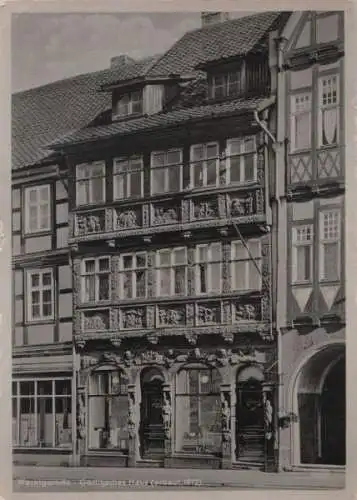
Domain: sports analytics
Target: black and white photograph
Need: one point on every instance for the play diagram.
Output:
(178, 250)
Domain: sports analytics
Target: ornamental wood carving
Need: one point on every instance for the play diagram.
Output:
(90, 223)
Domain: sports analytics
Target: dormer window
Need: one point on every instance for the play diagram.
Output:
(225, 85)
(129, 104)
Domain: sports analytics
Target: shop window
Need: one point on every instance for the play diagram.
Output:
(41, 413)
(108, 410)
(198, 411)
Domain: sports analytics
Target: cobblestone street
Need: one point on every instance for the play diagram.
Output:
(51, 479)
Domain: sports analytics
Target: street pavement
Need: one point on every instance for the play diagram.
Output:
(57, 479)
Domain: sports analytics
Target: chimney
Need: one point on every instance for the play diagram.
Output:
(208, 18)
(121, 60)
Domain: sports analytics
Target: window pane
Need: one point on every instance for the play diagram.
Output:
(63, 422)
(235, 162)
(141, 260)
(174, 178)
(212, 151)
(254, 276)
(47, 309)
(303, 271)
(211, 172)
(203, 254)
(32, 196)
(103, 287)
(120, 186)
(35, 297)
(180, 256)
(198, 175)
(89, 284)
(127, 285)
(128, 261)
(135, 180)
(215, 277)
(35, 280)
(202, 278)
(97, 190)
(137, 107)
(158, 159)
(180, 280)
(249, 167)
(165, 281)
(14, 421)
(103, 264)
(165, 258)
(173, 157)
(215, 252)
(331, 261)
(35, 311)
(303, 130)
(63, 387)
(27, 422)
(46, 279)
(44, 387)
(45, 422)
(27, 388)
(329, 126)
(140, 283)
(197, 152)
(239, 280)
(158, 178)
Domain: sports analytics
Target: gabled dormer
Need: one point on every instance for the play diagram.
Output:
(135, 92)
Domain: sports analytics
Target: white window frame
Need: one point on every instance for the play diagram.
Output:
(226, 84)
(242, 154)
(133, 271)
(204, 162)
(127, 173)
(41, 290)
(165, 167)
(96, 275)
(171, 267)
(39, 204)
(89, 178)
(36, 396)
(295, 114)
(248, 261)
(130, 104)
(209, 263)
(322, 107)
(325, 241)
(306, 238)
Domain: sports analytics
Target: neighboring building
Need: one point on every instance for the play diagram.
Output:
(311, 296)
(161, 201)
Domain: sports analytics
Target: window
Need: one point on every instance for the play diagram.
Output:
(129, 104)
(330, 240)
(128, 178)
(208, 268)
(328, 110)
(108, 410)
(90, 183)
(133, 276)
(225, 85)
(171, 272)
(40, 292)
(245, 275)
(38, 209)
(95, 279)
(205, 165)
(300, 121)
(42, 413)
(166, 171)
(198, 411)
(302, 257)
(242, 160)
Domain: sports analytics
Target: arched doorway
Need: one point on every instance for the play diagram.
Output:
(250, 443)
(151, 417)
(321, 408)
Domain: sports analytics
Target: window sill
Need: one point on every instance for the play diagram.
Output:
(33, 234)
(90, 206)
(47, 321)
(38, 449)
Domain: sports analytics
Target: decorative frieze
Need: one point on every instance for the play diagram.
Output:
(90, 223)
(246, 312)
(241, 205)
(130, 218)
(165, 213)
(171, 316)
(95, 320)
(133, 318)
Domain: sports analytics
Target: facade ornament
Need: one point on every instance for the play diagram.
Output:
(228, 337)
(191, 337)
(126, 220)
(131, 414)
(81, 343)
(165, 215)
(268, 417)
(226, 416)
(167, 412)
(168, 317)
(96, 321)
(116, 342)
(81, 429)
(206, 314)
(245, 312)
(153, 338)
(133, 318)
(204, 210)
(88, 361)
(151, 357)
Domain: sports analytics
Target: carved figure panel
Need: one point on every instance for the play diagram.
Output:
(133, 318)
(208, 314)
(205, 209)
(95, 320)
(90, 223)
(165, 213)
(241, 205)
(246, 312)
(171, 316)
(128, 218)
